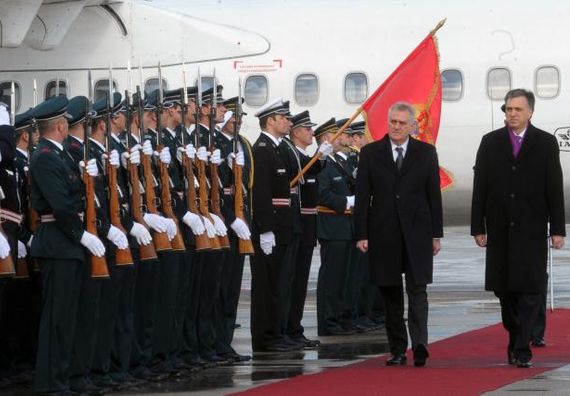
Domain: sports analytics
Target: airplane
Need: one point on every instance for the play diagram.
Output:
(325, 56)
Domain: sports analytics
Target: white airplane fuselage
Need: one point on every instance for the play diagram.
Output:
(281, 40)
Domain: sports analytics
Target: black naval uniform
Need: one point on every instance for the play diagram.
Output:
(271, 212)
(335, 231)
(56, 195)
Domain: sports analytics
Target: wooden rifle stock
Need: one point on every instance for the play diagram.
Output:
(98, 264)
(166, 201)
(146, 252)
(202, 241)
(6, 264)
(122, 256)
(244, 245)
(215, 200)
(160, 239)
(203, 200)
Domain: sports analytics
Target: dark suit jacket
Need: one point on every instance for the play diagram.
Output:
(393, 207)
(513, 201)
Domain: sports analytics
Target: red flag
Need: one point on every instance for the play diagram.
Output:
(417, 81)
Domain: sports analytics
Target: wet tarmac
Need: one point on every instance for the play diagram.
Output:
(458, 303)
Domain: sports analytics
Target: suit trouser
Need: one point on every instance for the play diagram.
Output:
(519, 312)
(417, 315)
(331, 285)
(208, 300)
(168, 271)
(4, 372)
(144, 309)
(85, 342)
(61, 282)
(288, 268)
(299, 290)
(540, 326)
(354, 286)
(190, 344)
(266, 302)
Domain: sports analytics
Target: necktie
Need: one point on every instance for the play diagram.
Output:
(518, 144)
(399, 158)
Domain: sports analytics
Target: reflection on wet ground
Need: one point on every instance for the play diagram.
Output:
(458, 303)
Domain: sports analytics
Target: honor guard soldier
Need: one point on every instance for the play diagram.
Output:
(59, 245)
(237, 152)
(301, 136)
(335, 232)
(272, 231)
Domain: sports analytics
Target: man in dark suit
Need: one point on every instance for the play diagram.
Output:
(517, 191)
(398, 216)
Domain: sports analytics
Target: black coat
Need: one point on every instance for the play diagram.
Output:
(513, 201)
(394, 206)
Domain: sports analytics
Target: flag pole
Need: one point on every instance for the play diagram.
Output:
(318, 154)
(437, 27)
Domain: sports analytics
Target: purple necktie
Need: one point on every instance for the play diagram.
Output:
(517, 146)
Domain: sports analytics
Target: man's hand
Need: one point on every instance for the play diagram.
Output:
(436, 244)
(362, 245)
(557, 241)
(481, 240)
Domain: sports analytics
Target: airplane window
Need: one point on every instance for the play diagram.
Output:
(306, 90)
(256, 90)
(547, 82)
(152, 83)
(498, 83)
(5, 88)
(51, 88)
(355, 87)
(102, 88)
(452, 85)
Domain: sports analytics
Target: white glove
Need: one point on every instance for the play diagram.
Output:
(93, 244)
(202, 154)
(165, 156)
(141, 234)
(171, 228)
(194, 222)
(29, 243)
(325, 149)
(241, 229)
(135, 158)
(219, 225)
(113, 158)
(91, 167)
(216, 158)
(118, 237)
(239, 157)
(22, 251)
(4, 117)
(267, 242)
(349, 201)
(4, 245)
(190, 151)
(147, 148)
(210, 230)
(156, 222)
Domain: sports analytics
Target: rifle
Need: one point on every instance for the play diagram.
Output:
(201, 168)
(98, 264)
(244, 245)
(165, 197)
(33, 219)
(122, 256)
(202, 241)
(215, 188)
(146, 252)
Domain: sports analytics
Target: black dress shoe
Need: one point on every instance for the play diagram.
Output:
(420, 355)
(91, 389)
(278, 347)
(397, 360)
(237, 326)
(306, 342)
(148, 375)
(538, 343)
(340, 331)
(511, 357)
(524, 364)
(236, 357)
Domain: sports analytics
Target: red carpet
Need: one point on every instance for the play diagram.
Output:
(467, 364)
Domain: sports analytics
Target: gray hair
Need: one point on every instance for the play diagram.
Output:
(403, 106)
(520, 92)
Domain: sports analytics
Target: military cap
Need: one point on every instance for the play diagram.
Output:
(100, 107)
(302, 120)
(340, 123)
(147, 106)
(25, 119)
(192, 93)
(77, 108)
(287, 106)
(232, 103)
(171, 98)
(271, 108)
(52, 108)
(328, 126)
(357, 127)
(207, 95)
(219, 97)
